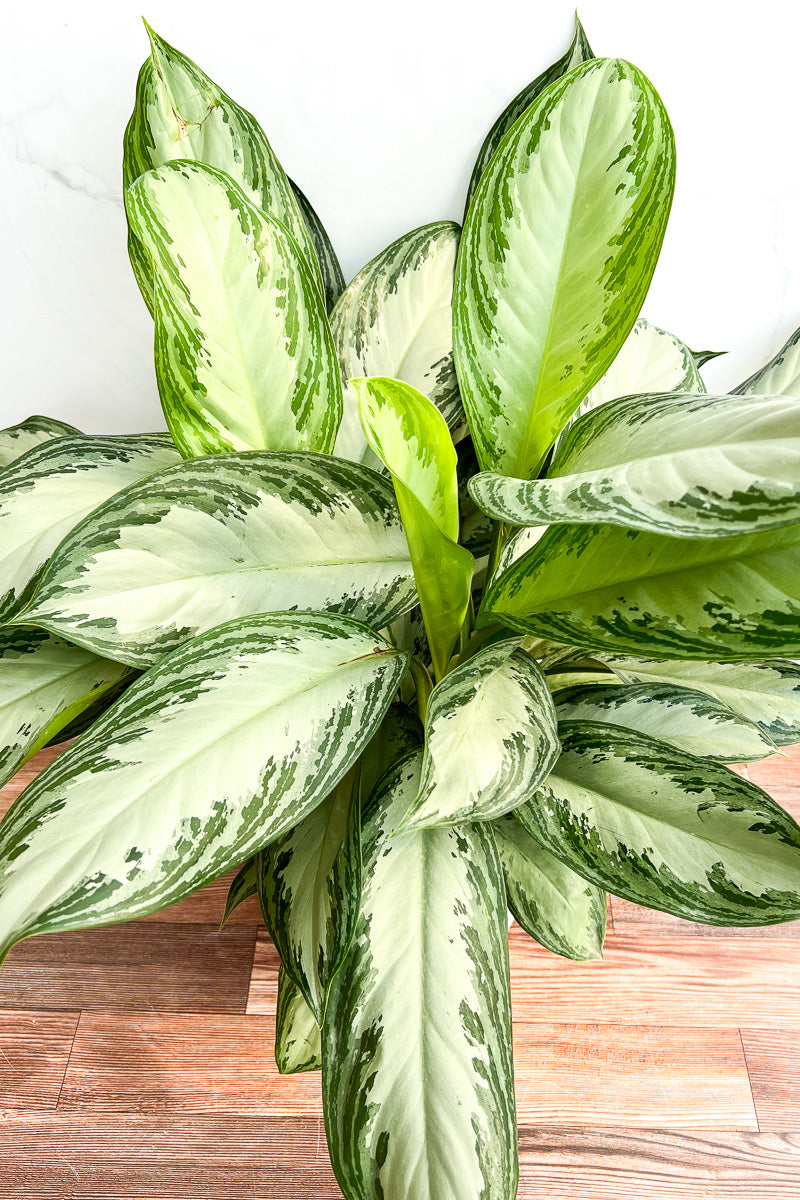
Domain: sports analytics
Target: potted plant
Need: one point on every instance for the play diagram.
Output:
(449, 592)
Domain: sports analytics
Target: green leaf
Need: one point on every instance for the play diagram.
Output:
(46, 685)
(561, 910)
(395, 320)
(558, 249)
(688, 466)
(780, 376)
(417, 1076)
(213, 539)
(666, 829)
(409, 435)
(309, 884)
(297, 1036)
(243, 886)
(49, 489)
(400, 732)
(693, 721)
(579, 51)
(181, 114)
(18, 439)
(333, 282)
(490, 737)
(701, 357)
(214, 753)
(622, 590)
(766, 693)
(244, 355)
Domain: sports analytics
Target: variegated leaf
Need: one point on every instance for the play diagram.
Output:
(45, 684)
(693, 721)
(701, 357)
(180, 113)
(766, 693)
(395, 320)
(666, 829)
(333, 283)
(780, 376)
(556, 256)
(626, 591)
(297, 1036)
(52, 487)
(244, 354)
(490, 737)
(309, 884)
(400, 732)
(222, 537)
(18, 439)
(579, 51)
(409, 435)
(561, 910)
(243, 886)
(417, 1075)
(220, 749)
(689, 466)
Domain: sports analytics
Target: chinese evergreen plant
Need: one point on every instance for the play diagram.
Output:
(380, 619)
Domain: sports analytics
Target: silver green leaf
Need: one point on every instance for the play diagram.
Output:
(220, 749)
(630, 592)
(244, 354)
(780, 376)
(688, 466)
(400, 732)
(333, 282)
(16, 440)
(213, 539)
(766, 693)
(490, 737)
(579, 51)
(691, 720)
(395, 320)
(243, 886)
(417, 1074)
(297, 1036)
(45, 684)
(560, 909)
(556, 256)
(666, 829)
(309, 884)
(181, 114)
(52, 487)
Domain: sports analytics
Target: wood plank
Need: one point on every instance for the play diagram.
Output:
(589, 1164)
(779, 775)
(773, 1061)
(679, 981)
(171, 968)
(207, 906)
(34, 1050)
(627, 917)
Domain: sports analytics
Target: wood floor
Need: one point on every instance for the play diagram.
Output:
(136, 1061)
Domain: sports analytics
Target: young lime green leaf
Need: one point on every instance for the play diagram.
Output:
(180, 113)
(309, 885)
(214, 753)
(297, 1036)
(766, 693)
(395, 320)
(409, 435)
(213, 539)
(692, 721)
(244, 354)
(333, 282)
(52, 487)
(689, 466)
(578, 52)
(18, 439)
(46, 685)
(557, 253)
(561, 910)
(417, 1075)
(666, 829)
(490, 738)
(243, 886)
(629, 592)
(780, 376)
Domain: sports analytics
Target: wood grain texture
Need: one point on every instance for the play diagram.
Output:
(633, 919)
(34, 1050)
(773, 1062)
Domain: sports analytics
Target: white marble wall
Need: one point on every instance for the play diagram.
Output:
(378, 111)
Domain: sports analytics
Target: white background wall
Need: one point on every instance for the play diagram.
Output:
(377, 110)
